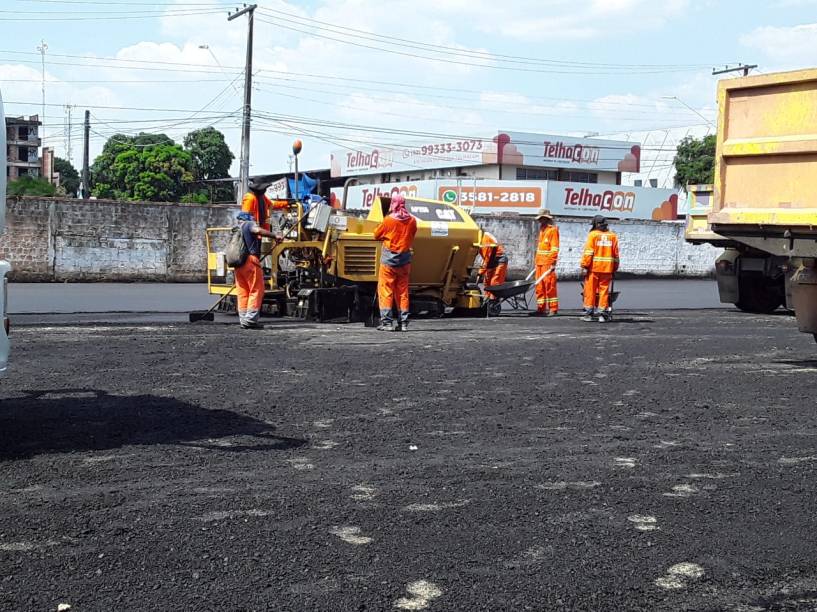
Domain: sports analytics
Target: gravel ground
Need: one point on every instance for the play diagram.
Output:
(665, 461)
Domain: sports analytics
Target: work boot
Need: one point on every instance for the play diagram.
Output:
(385, 326)
(246, 324)
(552, 313)
(538, 313)
(402, 327)
(588, 316)
(605, 317)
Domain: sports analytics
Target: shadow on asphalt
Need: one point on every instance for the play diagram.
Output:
(798, 363)
(70, 420)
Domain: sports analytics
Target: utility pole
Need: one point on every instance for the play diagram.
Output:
(42, 49)
(86, 190)
(69, 153)
(244, 172)
(744, 68)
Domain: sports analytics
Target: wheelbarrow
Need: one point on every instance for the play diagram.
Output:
(514, 293)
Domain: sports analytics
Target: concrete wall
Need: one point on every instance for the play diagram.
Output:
(647, 247)
(54, 239)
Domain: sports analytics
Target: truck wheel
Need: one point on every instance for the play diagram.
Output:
(758, 295)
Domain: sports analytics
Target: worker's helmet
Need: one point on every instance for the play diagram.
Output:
(259, 183)
(599, 222)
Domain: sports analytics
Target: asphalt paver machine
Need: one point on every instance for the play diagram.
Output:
(326, 266)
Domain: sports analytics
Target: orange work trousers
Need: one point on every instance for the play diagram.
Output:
(393, 289)
(495, 276)
(597, 284)
(249, 283)
(547, 296)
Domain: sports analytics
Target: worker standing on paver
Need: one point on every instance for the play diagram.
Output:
(600, 262)
(256, 203)
(249, 276)
(547, 254)
(494, 262)
(397, 232)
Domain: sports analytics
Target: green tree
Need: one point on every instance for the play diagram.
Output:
(69, 177)
(695, 161)
(103, 182)
(212, 159)
(30, 185)
(145, 167)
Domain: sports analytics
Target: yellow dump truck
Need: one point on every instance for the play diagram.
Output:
(765, 190)
(750, 279)
(327, 265)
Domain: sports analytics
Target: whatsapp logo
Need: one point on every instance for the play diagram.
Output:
(449, 196)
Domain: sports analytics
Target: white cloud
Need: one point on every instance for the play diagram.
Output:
(794, 46)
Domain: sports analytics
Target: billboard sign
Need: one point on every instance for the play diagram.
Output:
(583, 199)
(423, 156)
(590, 154)
(527, 197)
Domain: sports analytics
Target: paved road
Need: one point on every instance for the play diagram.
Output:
(63, 298)
(665, 461)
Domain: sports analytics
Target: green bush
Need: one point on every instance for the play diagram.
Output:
(31, 186)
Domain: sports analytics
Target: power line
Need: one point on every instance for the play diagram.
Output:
(460, 62)
(458, 51)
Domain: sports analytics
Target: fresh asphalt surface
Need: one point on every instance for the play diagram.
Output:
(144, 302)
(665, 461)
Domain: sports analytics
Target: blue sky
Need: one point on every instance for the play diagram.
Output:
(154, 75)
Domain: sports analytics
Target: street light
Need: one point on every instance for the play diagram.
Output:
(210, 51)
(677, 99)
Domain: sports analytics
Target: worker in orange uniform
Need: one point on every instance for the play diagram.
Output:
(494, 262)
(397, 232)
(600, 262)
(258, 205)
(249, 276)
(547, 253)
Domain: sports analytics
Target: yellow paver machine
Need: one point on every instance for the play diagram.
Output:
(326, 267)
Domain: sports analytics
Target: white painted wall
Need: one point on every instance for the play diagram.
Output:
(647, 247)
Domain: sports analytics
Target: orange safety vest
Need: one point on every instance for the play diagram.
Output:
(397, 236)
(492, 253)
(547, 248)
(601, 252)
(249, 204)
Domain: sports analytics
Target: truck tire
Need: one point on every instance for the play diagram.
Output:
(759, 295)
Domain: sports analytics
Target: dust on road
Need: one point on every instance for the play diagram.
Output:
(662, 462)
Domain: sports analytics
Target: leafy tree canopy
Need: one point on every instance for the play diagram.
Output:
(152, 167)
(69, 177)
(695, 161)
(30, 185)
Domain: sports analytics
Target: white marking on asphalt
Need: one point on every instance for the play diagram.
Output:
(363, 493)
(627, 462)
(646, 414)
(666, 444)
(630, 393)
(17, 547)
(796, 460)
(325, 445)
(323, 423)
(220, 515)
(644, 522)
(563, 485)
(98, 459)
(435, 507)
(715, 476)
(63, 607)
(350, 535)
(422, 592)
(679, 576)
(300, 463)
(682, 490)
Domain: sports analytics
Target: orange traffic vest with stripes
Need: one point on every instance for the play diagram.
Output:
(600, 252)
(491, 255)
(547, 249)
